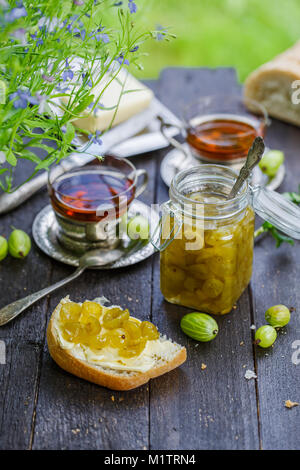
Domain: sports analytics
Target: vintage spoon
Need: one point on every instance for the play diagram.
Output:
(253, 158)
(91, 259)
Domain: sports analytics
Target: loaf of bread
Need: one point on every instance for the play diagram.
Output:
(275, 86)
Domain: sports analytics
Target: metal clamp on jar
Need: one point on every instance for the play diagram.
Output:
(206, 240)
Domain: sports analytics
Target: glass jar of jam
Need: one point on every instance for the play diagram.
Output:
(206, 240)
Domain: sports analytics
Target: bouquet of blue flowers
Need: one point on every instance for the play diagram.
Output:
(52, 55)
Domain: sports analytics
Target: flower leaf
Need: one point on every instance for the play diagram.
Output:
(83, 104)
(44, 164)
(28, 155)
(277, 235)
(70, 133)
(11, 158)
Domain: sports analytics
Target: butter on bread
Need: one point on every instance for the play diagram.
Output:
(164, 356)
(137, 98)
(271, 85)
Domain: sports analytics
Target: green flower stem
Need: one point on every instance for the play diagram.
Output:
(259, 231)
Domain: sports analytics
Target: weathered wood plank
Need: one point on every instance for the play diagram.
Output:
(24, 336)
(19, 278)
(213, 408)
(18, 379)
(276, 280)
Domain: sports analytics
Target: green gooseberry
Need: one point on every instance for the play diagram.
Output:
(265, 336)
(3, 248)
(199, 326)
(271, 162)
(138, 228)
(19, 244)
(278, 316)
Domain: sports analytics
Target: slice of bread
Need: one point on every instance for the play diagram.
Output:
(174, 355)
(272, 86)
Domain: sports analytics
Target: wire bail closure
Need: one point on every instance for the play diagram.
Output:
(170, 209)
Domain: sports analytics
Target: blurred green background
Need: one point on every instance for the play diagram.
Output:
(238, 33)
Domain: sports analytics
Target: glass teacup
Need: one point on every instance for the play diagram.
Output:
(90, 200)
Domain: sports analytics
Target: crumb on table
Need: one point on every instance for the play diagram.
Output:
(250, 375)
(290, 404)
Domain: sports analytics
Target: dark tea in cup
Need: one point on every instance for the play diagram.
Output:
(87, 194)
(90, 200)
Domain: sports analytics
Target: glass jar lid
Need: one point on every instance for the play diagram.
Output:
(276, 209)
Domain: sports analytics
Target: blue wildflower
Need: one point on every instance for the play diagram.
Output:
(22, 98)
(78, 29)
(132, 6)
(102, 37)
(118, 4)
(121, 60)
(80, 32)
(160, 36)
(20, 102)
(43, 29)
(98, 35)
(88, 82)
(39, 41)
(67, 73)
(134, 49)
(95, 139)
(99, 106)
(16, 13)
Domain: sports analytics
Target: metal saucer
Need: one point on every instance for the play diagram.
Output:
(45, 227)
(173, 160)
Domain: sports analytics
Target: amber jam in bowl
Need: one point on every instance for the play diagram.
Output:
(221, 129)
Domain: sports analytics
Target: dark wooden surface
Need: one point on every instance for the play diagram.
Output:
(43, 407)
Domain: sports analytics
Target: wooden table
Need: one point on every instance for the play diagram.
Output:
(43, 407)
